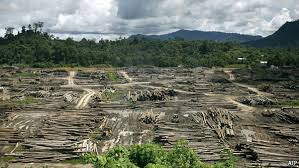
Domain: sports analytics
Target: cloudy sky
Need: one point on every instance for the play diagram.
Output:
(113, 18)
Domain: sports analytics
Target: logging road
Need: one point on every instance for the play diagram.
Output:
(85, 98)
(126, 76)
(253, 89)
(141, 84)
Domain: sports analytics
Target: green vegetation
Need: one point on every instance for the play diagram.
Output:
(37, 49)
(75, 161)
(112, 76)
(267, 74)
(26, 101)
(25, 74)
(153, 156)
(4, 159)
(113, 96)
(293, 103)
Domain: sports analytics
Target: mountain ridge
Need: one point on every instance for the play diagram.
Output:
(286, 36)
(200, 35)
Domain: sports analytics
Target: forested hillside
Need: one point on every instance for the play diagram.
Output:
(286, 36)
(31, 47)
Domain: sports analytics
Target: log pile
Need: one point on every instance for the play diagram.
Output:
(8, 137)
(87, 145)
(149, 117)
(220, 120)
(257, 100)
(60, 137)
(202, 139)
(101, 76)
(100, 96)
(271, 153)
(246, 151)
(39, 94)
(292, 85)
(70, 97)
(151, 95)
(282, 116)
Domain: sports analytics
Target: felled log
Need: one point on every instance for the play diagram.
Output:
(257, 100)
(149, 117)
(220, 120)
(151, 95)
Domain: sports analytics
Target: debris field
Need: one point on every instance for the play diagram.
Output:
(52, 115)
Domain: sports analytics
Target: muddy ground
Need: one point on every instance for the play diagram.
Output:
(52, 115)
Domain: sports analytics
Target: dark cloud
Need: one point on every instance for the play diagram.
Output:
(137, 9)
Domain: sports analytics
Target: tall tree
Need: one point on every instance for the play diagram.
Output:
(40, 25)
(23, 29)
(35, 26)
(9, 32)
(29, 27)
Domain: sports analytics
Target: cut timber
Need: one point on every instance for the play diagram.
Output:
(220, 120)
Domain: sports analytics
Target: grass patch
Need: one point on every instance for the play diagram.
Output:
(290, 103)
(25, 75)
(112, 76)
(115, 96)
(5, 159)
(26, 101)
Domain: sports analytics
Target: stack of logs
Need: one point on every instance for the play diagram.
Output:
(151, 95)
(220, 120)
(257, 100)
(201, 138)
(149, 117)
(282, 116)
(63, 136)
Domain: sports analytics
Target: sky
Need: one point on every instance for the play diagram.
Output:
(110, 19)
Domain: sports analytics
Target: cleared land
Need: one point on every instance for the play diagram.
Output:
(52, 115)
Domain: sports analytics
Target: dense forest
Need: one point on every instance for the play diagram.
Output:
(33, 48)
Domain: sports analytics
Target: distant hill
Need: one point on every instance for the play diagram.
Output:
(201, 35)
(286, 36)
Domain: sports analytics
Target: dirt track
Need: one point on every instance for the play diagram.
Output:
(251, 88)
(85, 98)
(126, 76)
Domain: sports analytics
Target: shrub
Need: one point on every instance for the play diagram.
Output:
(153, 156)
(183, 157)
(265, 87)
(143, 155)
(112, 76)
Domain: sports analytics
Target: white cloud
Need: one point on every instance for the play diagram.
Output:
(96, 37)
(278, 20)
(2, 32)
(281, 18)
(114, 17)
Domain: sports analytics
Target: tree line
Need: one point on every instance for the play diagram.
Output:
(35, 48)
